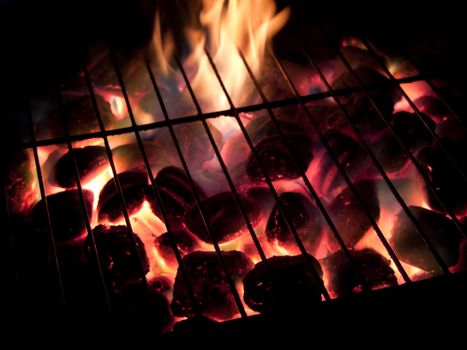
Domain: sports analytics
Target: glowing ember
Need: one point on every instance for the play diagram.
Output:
(228, 27)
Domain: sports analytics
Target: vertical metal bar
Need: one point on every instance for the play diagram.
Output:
(281, 207)
(82, 199)
(401, 144)
(46, 205)
(415, 109)
(432, 86)
(115, 176)
(342, 170)
(198, 202)
(378, 165)
(156, 189)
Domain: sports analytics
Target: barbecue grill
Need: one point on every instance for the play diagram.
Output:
(384, 188)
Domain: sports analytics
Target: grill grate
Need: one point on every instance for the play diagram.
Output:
(270, 106)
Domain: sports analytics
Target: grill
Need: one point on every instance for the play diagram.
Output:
(47, 271)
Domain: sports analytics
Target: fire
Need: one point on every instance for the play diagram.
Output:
(227, 27)
(414, 91)
(230, 27)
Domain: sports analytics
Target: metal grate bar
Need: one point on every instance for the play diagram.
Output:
(155, 186)
(82, 199)
(433, 87)
(198, 201)
(224, 169)
(412, 158)
(46, 206)
(415, 109)
(378, 165)
(115, 177)
(281, 207)
(193, 118)
(401, 144)
(343, 174)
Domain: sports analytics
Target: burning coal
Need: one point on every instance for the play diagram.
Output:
(162, 221)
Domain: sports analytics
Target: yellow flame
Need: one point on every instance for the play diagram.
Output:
(228, 26)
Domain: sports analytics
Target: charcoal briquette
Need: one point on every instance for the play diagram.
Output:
(66, 215)
(273, 154)
(350, 155)
(359, 107)
(208, 279)
(176, 193)
(447, 182)
(411, 130)
(348, 215)
(20, 182)
(411, 248)
(283, 283)
(89, 160)
(277, 161)
(432, 106)
(80, 115)
(121, 264)
(184, 241)
(134, 187)
(223, 216)
(345, 277)
(304, 217)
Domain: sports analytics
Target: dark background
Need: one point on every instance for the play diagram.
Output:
(37, 34)
(41, 40)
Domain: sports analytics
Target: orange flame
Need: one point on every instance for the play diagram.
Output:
(244, 25)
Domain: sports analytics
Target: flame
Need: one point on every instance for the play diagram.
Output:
(96, 185)
(227, 27)
(413, 91)
(117, 104)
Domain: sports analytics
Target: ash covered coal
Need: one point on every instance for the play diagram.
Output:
(134, 188)
(283, 283)
(273, 154)
(410, 247)
(185, 242)
(194, 141)
(348, 215)
(89, 160)
(371, 266)
(66, 216)
(211, 289)
(223, 216)
(305, 218)
(121, 264)
(176, 192)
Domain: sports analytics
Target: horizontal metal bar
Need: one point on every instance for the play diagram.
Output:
(196, 117)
